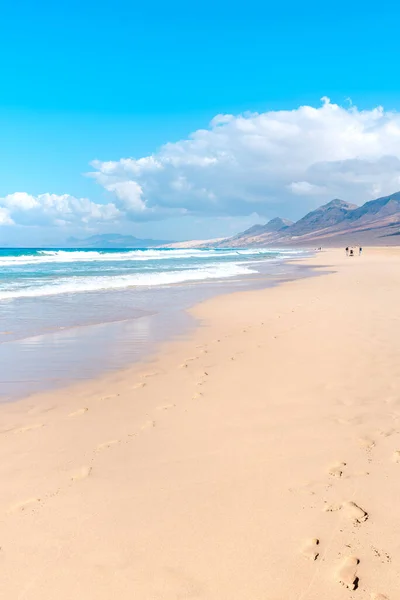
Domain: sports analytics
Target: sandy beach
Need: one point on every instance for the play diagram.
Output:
(258, 459)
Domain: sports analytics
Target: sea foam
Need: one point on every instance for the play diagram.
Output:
(73, 285)
(68, 256)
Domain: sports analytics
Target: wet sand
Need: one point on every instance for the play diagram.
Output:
(51, 342)
(257, 459)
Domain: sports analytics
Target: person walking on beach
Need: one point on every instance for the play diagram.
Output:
(351, 252)
(360, 251)
(347, 251)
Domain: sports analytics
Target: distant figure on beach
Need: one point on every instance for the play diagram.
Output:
(347, 250)
(351, 252)
(360, 251)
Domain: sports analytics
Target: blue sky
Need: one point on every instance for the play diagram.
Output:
(85, 81)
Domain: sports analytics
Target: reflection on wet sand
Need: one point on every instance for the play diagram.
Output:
(53, 341)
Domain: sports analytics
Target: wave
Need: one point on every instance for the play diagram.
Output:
(77, 256)
(73, 285)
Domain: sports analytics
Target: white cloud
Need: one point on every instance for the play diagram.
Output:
(268, 164)
(129, 195)
(264, 163)
(21, 208)
(5, 218)
(20, 201)
(304, 188)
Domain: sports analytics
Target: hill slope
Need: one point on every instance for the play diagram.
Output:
(335, 223)
(325, 216)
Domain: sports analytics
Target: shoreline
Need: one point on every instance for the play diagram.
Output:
(254, 458)
(80, 352)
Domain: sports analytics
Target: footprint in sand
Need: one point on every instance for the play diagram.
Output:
(81, 473)
(347, 573)
(148, 425)
(8, 429)
(375, 596)
(351, 509)
(39, 410)
(310, 549)
(106, 445)
(28, 428)
(139, 385)
(386, 432)
(355, 512)
(166, 406)
(78, 413)
(191, 358)
(366, 442)
(197, 396)
(396, 456)
(150, 374)
(337, 470)
(25, 505)
(185, 364)
(203, 379)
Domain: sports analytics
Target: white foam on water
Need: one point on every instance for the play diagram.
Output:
(77, 256)
(73, 285)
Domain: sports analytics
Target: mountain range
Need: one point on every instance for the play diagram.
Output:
(376, 222)
(113, 240)
(337, 223)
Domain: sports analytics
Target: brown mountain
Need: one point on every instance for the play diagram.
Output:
(277, 224)
(335, 223)
(271, 231)
(372, 223)
(272, 226)
(323, 217)
(382, 208)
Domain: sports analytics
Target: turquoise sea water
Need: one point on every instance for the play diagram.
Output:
(35, 273)
(70, 314)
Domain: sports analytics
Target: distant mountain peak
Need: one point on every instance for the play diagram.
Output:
(278, 223)
(337, 203)
(324, 216)
(113, 240)
(381, 207)
(336, 221)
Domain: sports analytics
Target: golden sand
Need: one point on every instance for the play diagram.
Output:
(257, 460)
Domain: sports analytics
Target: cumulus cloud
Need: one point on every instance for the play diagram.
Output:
(21, 208)
(304, 188)
(262, 163)
(273, 163)
(5, 218)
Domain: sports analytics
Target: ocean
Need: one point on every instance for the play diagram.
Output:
(68, 314)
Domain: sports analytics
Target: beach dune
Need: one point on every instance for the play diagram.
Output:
(256, 460)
